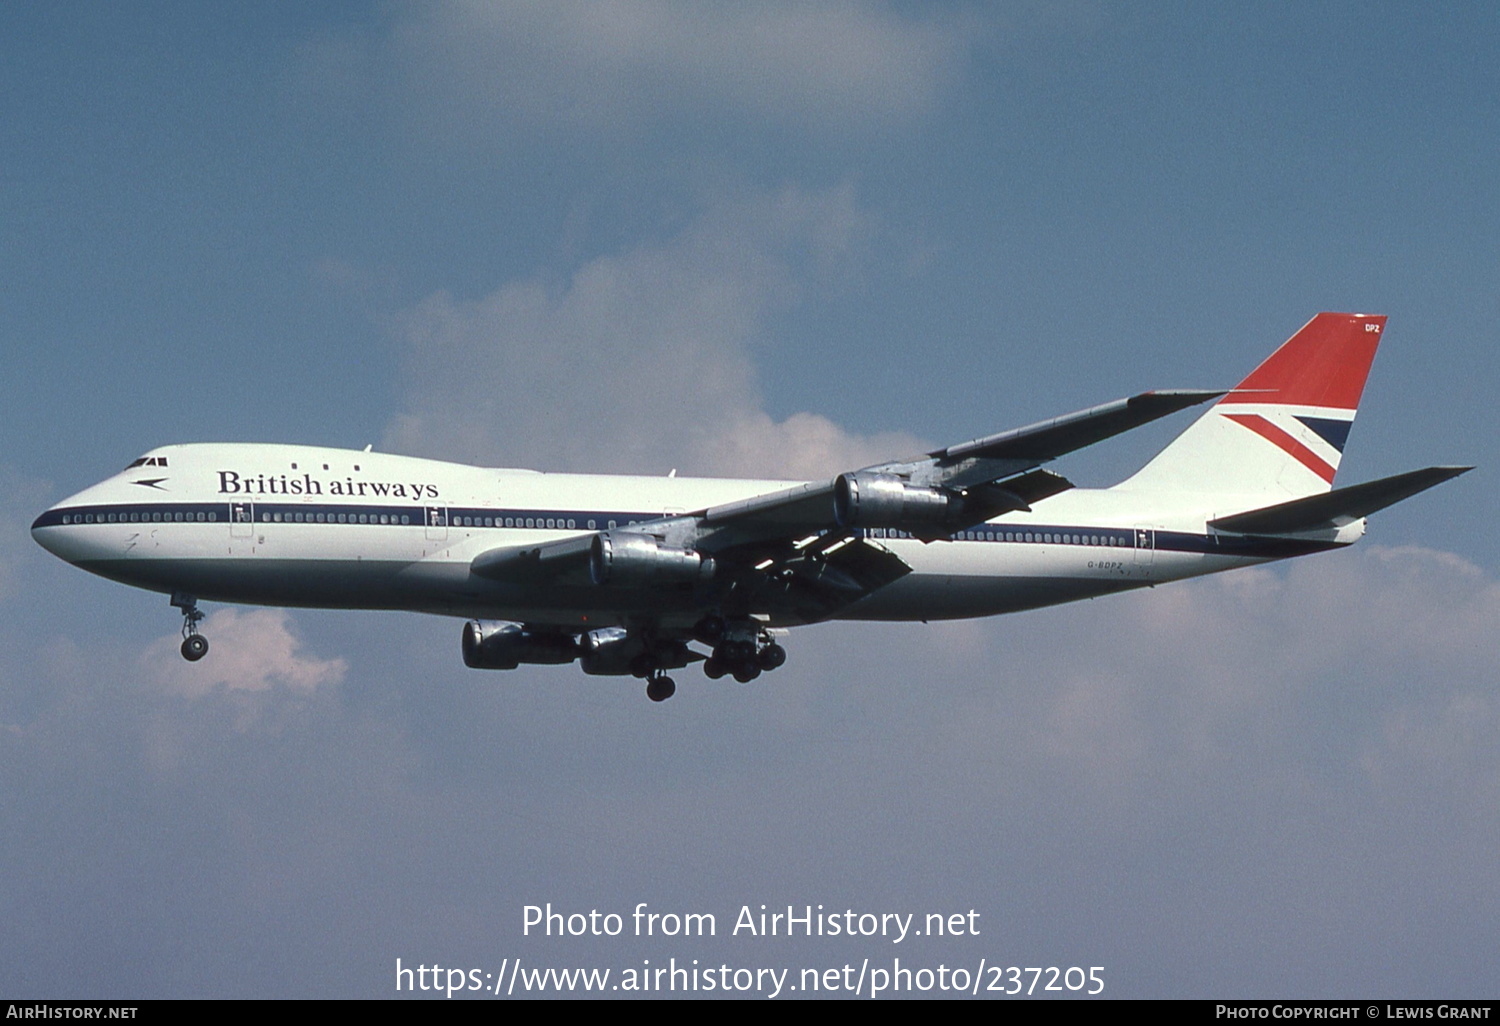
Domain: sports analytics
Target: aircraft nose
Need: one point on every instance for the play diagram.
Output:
(72, 536)
(42, 530)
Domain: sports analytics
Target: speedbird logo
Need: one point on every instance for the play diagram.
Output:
(231, 483)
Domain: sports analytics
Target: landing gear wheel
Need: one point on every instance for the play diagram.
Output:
(734, 653)
(713, 669)
(659, 689)
(772, 656)
(194, 645)
(745, 673)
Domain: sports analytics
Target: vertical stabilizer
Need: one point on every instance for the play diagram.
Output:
(1280, 433)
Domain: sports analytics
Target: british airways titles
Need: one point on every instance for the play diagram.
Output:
(231, 483)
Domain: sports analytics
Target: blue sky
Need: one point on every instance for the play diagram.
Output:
(759, 238)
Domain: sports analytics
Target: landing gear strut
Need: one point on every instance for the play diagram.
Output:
(194, 645)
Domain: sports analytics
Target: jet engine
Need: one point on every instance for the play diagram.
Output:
(881, 500)
(616, 652)
(608, 651)
(633, 559)
(502, 645)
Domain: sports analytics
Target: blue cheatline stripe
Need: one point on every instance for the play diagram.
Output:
(1334, 432)
(339, 514)
(478, 518)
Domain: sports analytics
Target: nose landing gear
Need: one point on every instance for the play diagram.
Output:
(194, 645)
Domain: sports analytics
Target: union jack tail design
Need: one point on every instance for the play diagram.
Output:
(1280, 433)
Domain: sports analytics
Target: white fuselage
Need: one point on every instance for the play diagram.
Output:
(303, 526)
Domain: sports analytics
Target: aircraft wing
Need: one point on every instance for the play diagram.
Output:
(948, 489)
(809, 546)
(991, 457)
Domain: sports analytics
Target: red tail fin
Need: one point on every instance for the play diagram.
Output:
(1325, 364)
(1280, 434)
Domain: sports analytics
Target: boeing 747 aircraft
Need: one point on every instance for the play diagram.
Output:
(625, 574)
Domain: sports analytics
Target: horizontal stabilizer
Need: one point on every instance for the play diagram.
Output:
(1338, 507)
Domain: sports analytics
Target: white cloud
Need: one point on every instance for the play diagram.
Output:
(253, 651)
(1381, 662)
(599, 63)
(641, 361)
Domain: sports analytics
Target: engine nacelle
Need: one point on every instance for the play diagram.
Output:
(608, 652)
(502, 645)
(617, 652)
(881, 500)
(632, 559)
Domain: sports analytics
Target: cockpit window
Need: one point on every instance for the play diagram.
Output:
(148, 461)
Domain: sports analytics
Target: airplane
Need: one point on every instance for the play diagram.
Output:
(624, 574)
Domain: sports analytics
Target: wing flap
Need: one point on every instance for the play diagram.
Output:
(829, 575)
(1019, 493)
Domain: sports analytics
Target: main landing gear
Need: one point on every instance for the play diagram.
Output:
(660, 687)
(652, 664)
(743, 649)
(194, 645)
